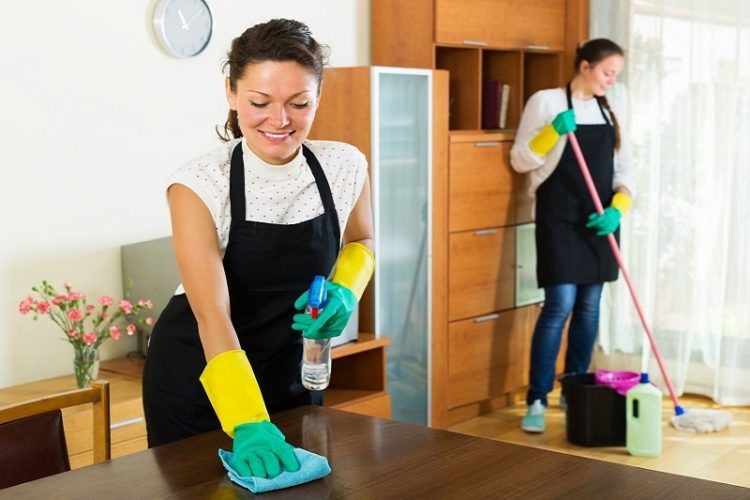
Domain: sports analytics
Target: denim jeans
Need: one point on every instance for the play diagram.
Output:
(559, 302)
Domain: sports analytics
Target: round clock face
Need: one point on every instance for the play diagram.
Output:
(183, 27)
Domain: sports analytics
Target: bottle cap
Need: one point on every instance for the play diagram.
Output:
(644, 378)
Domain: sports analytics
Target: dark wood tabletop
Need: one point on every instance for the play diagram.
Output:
(372, 458)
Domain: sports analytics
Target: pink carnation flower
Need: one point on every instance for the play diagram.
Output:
(75, 296)
(114, 331)
(149, 321)
(75, 315)
(26, 305)
(106, 300)
(89, 338)
(42, 307)
(126, 306)
(131, 329)
(59, 299)
(146, 303)
(89, 308)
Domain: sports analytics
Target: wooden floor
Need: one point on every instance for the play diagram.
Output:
(721, 456)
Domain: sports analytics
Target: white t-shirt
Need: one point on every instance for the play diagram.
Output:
(541, 109)
(276, 194)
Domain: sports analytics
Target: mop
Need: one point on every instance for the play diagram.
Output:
(696, 420)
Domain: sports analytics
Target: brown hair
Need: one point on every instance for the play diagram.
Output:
(593, 52)
(276, 40)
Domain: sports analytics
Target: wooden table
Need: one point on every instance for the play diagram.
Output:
(374, 458)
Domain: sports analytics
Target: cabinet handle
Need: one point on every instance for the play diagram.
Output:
(483, 232)
(486, 144)
(479, 43)
(538, 47)
(488, 317)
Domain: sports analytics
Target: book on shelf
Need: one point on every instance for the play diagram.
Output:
(491, 102)
(503, 115)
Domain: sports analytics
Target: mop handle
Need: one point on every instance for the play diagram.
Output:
(621, 265)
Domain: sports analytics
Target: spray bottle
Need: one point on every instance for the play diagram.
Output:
(316, 354)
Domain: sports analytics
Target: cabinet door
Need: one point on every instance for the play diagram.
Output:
(501, 23)
(481, 272)
(481, 185)
(476, 22)
(488, 356)
(539, 24)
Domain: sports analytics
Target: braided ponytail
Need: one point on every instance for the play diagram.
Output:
(615, 124)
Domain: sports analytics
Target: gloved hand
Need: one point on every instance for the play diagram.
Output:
(353, 270)
(605, 223)
(562, 124)
(609, 221)
(261, 450)
(332, 321)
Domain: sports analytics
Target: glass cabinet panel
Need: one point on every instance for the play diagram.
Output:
(401, 180)
(527, 291)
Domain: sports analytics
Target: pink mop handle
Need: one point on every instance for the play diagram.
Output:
(621, 263)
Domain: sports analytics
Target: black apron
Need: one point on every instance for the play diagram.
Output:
(568, 251)
(267, 267)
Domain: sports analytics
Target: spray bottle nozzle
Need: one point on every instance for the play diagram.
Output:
(317, 295)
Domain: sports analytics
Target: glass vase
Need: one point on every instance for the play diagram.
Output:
(86, 366)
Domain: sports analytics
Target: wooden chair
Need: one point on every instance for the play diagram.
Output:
(32, 439)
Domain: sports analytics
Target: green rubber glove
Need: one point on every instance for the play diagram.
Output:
(605, 223)
(564, 122)
(332, 321)
(261, 450)
(545, 140)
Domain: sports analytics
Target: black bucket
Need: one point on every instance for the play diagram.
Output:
(595, 414)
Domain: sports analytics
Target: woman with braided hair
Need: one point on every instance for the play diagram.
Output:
(573, 257)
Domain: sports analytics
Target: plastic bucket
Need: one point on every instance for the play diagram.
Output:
(620, 381)
(595, 414)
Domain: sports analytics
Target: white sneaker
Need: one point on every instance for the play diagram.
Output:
(533, 421)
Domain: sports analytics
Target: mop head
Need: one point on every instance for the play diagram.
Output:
(702, 420)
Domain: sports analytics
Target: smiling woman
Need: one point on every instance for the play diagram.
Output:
(253, 222)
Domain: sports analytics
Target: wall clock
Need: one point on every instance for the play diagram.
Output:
(183, 27)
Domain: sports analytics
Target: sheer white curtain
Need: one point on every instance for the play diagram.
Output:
(686, 96)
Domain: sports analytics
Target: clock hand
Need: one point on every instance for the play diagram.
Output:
(182, 19)
(200, 11)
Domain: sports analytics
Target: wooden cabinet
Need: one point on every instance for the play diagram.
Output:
(520, 43)
(480, 350)
(501, 23)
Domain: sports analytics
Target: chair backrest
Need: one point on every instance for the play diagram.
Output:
(32, 440)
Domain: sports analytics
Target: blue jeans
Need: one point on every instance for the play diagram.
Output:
(559, 302)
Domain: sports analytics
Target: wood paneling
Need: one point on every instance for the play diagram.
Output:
(403, 33)
(439, 307)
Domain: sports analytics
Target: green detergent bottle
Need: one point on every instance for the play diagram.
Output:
(643, 404)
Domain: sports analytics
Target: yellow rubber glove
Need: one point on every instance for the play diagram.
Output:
(621, 202)
(354, 268)
(563, 123)
(234, 393)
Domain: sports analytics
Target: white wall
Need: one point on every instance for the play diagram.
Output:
(93, 117)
